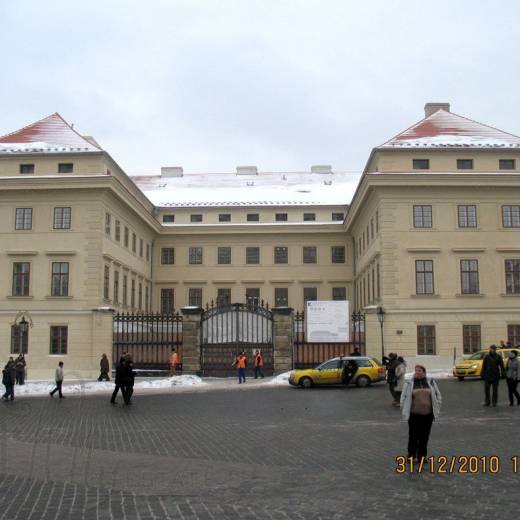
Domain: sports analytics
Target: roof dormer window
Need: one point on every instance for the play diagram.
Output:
(65, 167)
(506, 164)
(26, 168)
(421, 164)
(464, 164)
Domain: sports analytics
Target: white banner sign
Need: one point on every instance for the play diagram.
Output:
(328, 321)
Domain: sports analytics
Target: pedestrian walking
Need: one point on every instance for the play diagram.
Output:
(119, 386)
(512, 378)
(8, 380)
(390, 375)
(420, 405)
(104, 367)
(19, 366)
(173, 361)
(127, 381)
(349, 371)
(259, 363)
(241, 364)
(58, 377)
(492, 371)
(400, 372)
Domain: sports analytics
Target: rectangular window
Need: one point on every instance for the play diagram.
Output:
(23, 218)
(378, 282)
(253, 217)
(252, 255)
(140, 296)
(196, 218)
(426, 340)
(467, 216)
(106, 282)
(147, 252)
(62, 218)
(471, 339)
(146, 298)
(513, 334)
(372, 228)
(281, 255)
(168, 219)
(195, 255)
(21, 278)
(108, 224)
(377, 221)
(337, 254)
(141, 247)
(224, 255)
(125, 289)
(281, 296)
(512, 276)
(339, 293)
(280, 217)
(223, 296)
(26, 168)
(511, 216)
(195, 296)
(65, 167)
(19, 339)
(60, 279)
(310, 294)
(465, 164)
(127, 233)
(469, 276)
(421, 164)
(422, 216)
(134, 242)
(309, 217)
(224, 217)
(506, 164)
(253, 296)
(337, 217)
(116, 287)
(117, 234)
(167, 255)
(132, 294)
(424, 277)
(310, 255)
(59, 336)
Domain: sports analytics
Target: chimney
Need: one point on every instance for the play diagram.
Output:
(247, 170)
(171, 171)
(431, 108)
(321, 168)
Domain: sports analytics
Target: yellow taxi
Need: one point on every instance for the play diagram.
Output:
(329, 373)
(472, 365)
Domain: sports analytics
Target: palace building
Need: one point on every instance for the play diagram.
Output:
(430, 233)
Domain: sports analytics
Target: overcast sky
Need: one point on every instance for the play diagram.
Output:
(209, 85)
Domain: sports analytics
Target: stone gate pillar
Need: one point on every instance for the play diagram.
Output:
(191, 337)
(283, 341)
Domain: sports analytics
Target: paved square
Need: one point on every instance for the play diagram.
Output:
(269, 452)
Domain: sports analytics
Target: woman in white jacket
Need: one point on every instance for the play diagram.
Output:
(420, 404)
(400, 371)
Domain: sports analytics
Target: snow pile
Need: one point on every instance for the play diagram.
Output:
(441, 141)
(171, 381)
(280, 379)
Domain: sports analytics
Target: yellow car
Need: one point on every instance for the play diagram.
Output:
(472, 366)
(329, 373)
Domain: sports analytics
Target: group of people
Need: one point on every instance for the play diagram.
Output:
(125, 378)
(13, 374)
(240, 363)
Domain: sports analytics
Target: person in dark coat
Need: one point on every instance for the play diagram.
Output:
(492, 371)
(20, 369)
(390, 376)
(119, 384)
(8, 380)
(104, 366)
(349, 371)
(356, 352)
(512, 378)
(127, 381)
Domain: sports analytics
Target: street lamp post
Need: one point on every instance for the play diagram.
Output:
(381, 317)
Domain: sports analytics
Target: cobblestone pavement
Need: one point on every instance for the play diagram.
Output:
(271, 452)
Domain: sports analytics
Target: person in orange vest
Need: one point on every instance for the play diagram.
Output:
(259, 363)
(173, 361)
(241, 365)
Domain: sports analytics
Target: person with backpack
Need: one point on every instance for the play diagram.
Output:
(421, 402)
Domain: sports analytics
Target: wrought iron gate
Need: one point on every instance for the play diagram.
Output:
(227, 330)
(307, 355)
(148, 338)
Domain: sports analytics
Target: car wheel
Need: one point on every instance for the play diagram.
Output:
(363, 381)
(306, 382)
(460, 378)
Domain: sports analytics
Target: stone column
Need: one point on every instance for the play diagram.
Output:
(372, 333)
(283, 340)
(102, 338)
(191, 337)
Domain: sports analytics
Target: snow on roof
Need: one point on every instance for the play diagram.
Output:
(445, 129)
(264, 189)
(50, 135)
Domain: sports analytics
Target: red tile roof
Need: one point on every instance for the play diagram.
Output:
(51, 134)
(445, 129)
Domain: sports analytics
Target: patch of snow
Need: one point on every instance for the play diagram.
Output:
(449, 140)
(280, 379)
(435, 374)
